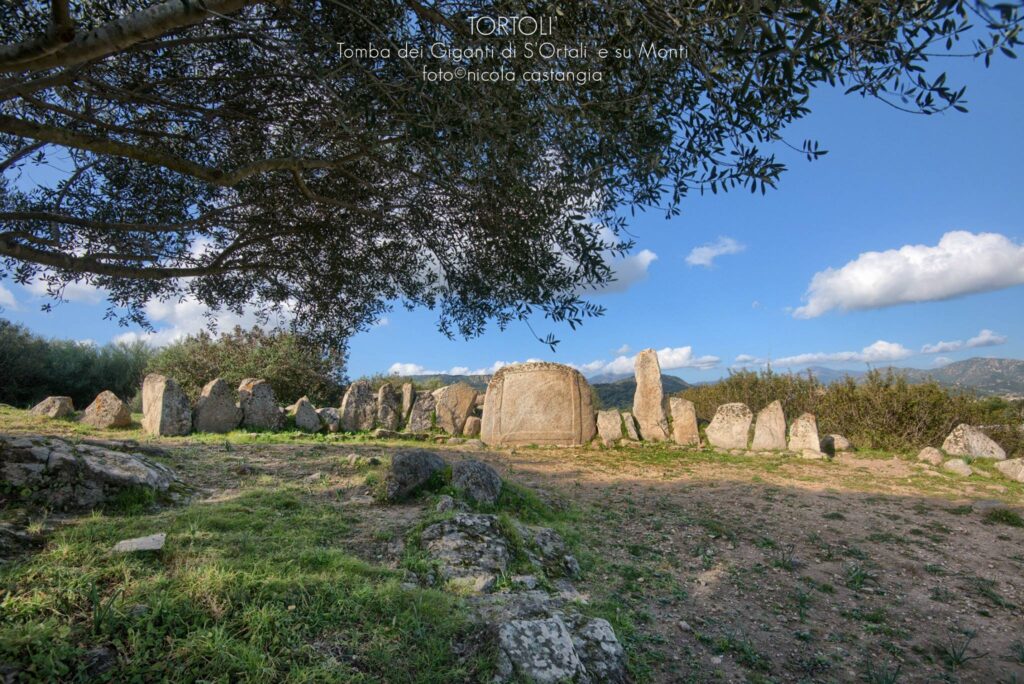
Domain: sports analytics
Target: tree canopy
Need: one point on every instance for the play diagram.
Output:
(229, 151)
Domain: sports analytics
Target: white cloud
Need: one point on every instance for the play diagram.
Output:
(705, 255)
(669, 358)
(629, 270)
(962, 263)
(942, 347)
(878, 352)
(624, 349)
(80, 292)
(381, 322)
(985, 338)
(403, 369)
(7, 299)
(941, 361)
(188, 317)
(748, 361)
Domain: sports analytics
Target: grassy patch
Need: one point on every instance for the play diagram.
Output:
(1003, 516)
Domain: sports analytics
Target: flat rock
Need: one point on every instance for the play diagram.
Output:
(477, 480)
(166, 410)
(107, 411)
(730, 427)
(538, 403)
(770, 428)
(649, 397)
(957, 466)
(153, 542)
(967, 440)
(803, 433)
(540, 651)
(409, 471)
(684, 422)
(54, 407)
(216, 409)
(467, 545)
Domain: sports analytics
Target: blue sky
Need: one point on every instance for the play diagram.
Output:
(939, 199)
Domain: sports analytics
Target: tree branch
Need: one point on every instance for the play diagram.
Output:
(58, 34)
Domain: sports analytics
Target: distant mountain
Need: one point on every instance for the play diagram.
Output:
(1001, 377)
(478, 382)
(619, 393)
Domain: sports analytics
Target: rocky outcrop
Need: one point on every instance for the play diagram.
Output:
(469, 547)
(770, 429)
(216, 410)
(649, 399)
(305, 416)
(388, 407)
(165, 407)
(421, 415)
(358, 407)
(453, 405)
(477, 481)
(609, 426)
(803, 433)
(107, 411)
(684, 422)
(259, 406)
(730, 427)
(967, 440)
(537, 403)
(55, 407)
(409, 471)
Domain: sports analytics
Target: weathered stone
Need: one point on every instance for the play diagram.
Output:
(599, 650)
(609, 426)
(421, 415)
(165, 407)
(540, 651)
(834, 444)
(931, 455)
(216, 410)
(453, 405)
(649, 398)
(538, 403)
(478, 481)
(1012, 468)
(259, 406)
(967, 440)
(684, 422)
(812, 454)
(629, 423)
(770, 428)
(388, 407)
(409, 471)
(63, 476)
(305, 415)
(730, 427)
(153, 542)
(408, 394)
(957, 466)
(468, 545)
(55, 407)
(803, 433)
(472, 427)
(330, 418)
(107, 411)
(358, 407)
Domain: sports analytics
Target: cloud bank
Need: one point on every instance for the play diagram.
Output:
(985, 338)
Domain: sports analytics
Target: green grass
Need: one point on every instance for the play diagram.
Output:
(1003, 516)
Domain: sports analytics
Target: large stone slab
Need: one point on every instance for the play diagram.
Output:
(770, 428)
(684, 422)
(649, 398)
(305, 415)
(803, 433)
(165, 407)
(730, 427)
(967, 440)
(107, 411)
(54, 407)
(609, 426)
(538, 403)
(358, 407)
(421, 415)
(388, 407)
(259, 406)
(216, 410)
(453, 405)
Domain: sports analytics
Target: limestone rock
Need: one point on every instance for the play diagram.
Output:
(967, 440)
(629, 422)
(684, 422)
(730, 427)
(609, 426)
(599, 650)
(931, 455)
(153, 542)
(649, 398)
(216, 410)
(388, 407)
(472, 427)
(770, 428)
(258, 404)
(834, 444)
(54, 407)
(305, 415)
(408, 394)
(540, 651)
(453, 405)
(421, 415)
(358, 407)
(107, 411)
(409, 471)
(330, 418)
(1012, 468)
(165, 407)
(803, 433)
(538, 403)
(468, 546)
(957, 466)
(812, 455)
(479, 481)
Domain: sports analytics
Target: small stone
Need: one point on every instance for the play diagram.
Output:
(812, 455)
(931, 455)
(305, 415)
(1012, 468)
(472, 427)
(55, 407)
(684, 422)
(685, 626)
(153, 542)
(957, 466)
(609, 426)
(107, 411)
(967, 440)
(409, 471)
(479, 481)
(526, 581)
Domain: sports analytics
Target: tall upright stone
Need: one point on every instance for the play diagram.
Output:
(770, 428)
(259, 406)
(358, 407)
(538, 403)
(421, 415)
(165, 407)
(408, 395)
(730, 427)
(107, 411)
(453, 405)
(684, 422)
(649, 398)
(216, 410)
(803, 433)
(305, 415)
(387, 407)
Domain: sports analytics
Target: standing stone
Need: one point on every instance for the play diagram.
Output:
(967, 440)
(472, 427)
(330, 418)
(684, 422)
(54, 407)
(165, 408)
(408, 394)
(538, 403)
(803, 433)
(770, 428)
(453, 405)
(107, 411)
(358, 408)
(259, 407)
(609, 426)
(629, 422)
(649, 399)
(730, 427)
(216, 410)
(305, 415)
(421, 415)
(387, 407)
